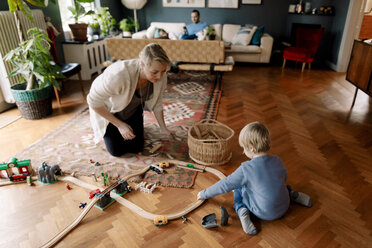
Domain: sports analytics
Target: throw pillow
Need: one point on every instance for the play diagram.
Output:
(150, 32)
(172, 36)
(244, 35)
(202, 34)
(256, 39)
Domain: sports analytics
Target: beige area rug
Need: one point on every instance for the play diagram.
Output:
(5, 120)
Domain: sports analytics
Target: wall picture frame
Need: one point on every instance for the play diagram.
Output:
(251, 2)
(225, 4)
(183, 3)
(292, 8)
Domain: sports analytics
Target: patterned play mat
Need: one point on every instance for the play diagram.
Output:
(189, 97)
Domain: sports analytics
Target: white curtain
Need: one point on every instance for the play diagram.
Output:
(5, 84)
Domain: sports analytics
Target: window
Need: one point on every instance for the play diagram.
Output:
(66, 16)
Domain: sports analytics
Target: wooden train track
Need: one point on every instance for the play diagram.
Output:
(131, 206)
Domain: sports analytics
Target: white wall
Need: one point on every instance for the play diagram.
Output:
(368, 7)
(351, 32)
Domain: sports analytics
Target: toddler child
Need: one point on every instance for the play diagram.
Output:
(259, 184)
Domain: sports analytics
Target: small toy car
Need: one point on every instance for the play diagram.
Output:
(160, 220)
(157, 169)
(93, 193)
(164, 164)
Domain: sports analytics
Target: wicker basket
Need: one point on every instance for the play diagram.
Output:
(33, 104)
(210, 142)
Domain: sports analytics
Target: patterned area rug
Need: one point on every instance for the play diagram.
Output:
(71, 145)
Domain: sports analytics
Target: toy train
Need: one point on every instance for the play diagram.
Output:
(17, 178)
(93, 193)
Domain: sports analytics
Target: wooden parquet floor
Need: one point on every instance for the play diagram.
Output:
(326, 148)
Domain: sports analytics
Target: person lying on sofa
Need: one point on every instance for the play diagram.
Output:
(162, 34)
(192, 29)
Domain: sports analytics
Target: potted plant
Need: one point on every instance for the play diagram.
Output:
(33, 62)
(211, 33)
(96, 30)
(106, 20)
(79, 30)
(128, 26)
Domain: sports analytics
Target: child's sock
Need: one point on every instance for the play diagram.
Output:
(247, 224)
(301, 198)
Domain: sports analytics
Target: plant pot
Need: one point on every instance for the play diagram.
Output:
(79, 31)
(33, 104)
(96, 31)
(127, 34)
(211, 37)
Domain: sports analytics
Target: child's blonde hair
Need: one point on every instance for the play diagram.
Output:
(256, 135)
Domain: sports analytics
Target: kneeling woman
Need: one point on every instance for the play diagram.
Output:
(119, 95)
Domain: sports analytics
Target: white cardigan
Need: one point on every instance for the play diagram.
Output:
(114, 89)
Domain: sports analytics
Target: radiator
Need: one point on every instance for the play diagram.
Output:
(9, 40)
(90, 55)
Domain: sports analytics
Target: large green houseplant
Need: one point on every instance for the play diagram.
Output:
(33, 62)
(21, 5)
(79, 30)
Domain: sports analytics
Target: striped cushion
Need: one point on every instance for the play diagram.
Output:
(244, 35)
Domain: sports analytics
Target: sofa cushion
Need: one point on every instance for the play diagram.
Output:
(218, 29)
(244, 35)
(228, 31)
(256, 39)
(245, 49)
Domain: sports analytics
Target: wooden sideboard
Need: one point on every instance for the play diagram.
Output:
(359, 71)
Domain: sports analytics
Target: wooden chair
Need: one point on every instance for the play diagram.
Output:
(69, 70)
(307, 43)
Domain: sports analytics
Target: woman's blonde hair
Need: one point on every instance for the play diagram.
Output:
(256, 135)
(153, 52)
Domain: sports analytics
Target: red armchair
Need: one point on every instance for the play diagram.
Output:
(307, 43)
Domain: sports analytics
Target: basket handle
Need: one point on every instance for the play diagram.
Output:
(202, 121)
(215, 122)
(209, 121)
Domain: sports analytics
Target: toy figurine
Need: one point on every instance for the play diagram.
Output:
(106, 181)
(184, 219)
(82, 205)
(29, 181)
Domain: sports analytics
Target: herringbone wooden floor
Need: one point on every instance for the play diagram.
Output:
(326, 148)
